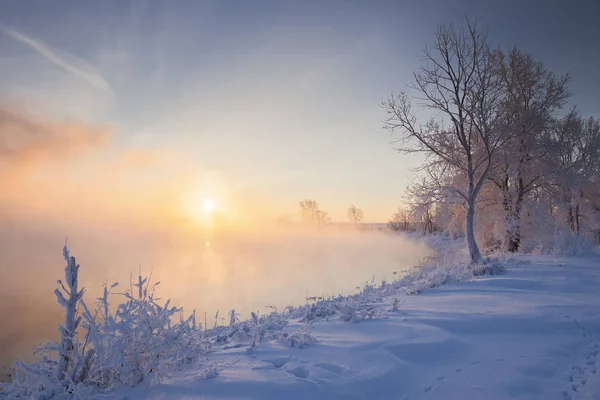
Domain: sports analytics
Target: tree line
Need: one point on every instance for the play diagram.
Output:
(500, 145)
(507, 164)
(312, 214)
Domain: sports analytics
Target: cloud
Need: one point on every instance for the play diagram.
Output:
(27, 140)
(74, 66)
(54, 168)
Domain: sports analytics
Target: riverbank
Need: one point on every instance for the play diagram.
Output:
(530, 333)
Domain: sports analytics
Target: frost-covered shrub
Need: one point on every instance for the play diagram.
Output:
(395, 304)
(142, 341)
(546, 233)
(250, 332)
(347, 311)
(360, 307)
(566, 242)
(301, 338)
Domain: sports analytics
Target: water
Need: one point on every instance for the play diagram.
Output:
(250, 273)
(246, 272)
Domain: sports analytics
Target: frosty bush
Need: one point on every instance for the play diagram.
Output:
(301, 338)
(567, 242)
(347, 311)
(139, 342)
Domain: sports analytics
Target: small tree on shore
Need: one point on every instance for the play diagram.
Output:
(355, 214)
(312, 214)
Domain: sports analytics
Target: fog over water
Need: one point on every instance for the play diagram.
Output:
(247, 272)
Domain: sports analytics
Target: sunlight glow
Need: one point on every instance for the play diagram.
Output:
(208, 206)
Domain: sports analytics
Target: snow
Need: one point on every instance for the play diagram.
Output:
(530, 333)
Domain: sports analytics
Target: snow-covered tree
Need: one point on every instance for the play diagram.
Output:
(69, 329)
(575, 158)
(458, 84)
(531, 94)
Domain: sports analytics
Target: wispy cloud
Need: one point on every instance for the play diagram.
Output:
(76, 67)
(27, 140)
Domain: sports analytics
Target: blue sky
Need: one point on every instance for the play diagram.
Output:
(279, 98)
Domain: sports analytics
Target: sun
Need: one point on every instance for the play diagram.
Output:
(208, 205)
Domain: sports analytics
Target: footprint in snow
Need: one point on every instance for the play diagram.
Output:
(336, 369)
(298, 372)
(429, 388)
(274, 363)
(576, 378)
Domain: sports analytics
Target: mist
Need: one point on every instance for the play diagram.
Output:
(243, 271)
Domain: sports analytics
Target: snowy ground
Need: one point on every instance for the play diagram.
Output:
(531, 333)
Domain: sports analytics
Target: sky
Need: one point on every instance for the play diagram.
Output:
(146, 107)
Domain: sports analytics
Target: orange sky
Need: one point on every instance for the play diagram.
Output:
(70, 168)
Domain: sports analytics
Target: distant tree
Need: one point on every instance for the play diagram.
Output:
(458, 84)
(355, 214)
(311, 213)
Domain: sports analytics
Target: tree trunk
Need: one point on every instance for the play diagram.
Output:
(514, 240)
(471, 242)
(514, 232)
(512, 217)
(470, 228)
(571, 217)
(509, 217)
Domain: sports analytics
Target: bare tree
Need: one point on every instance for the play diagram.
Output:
(311, 213)
(355, 214)
(400, 221)
(458, 83)
(530, 96)
(422, 201)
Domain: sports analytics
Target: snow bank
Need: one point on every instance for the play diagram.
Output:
(531, 333)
